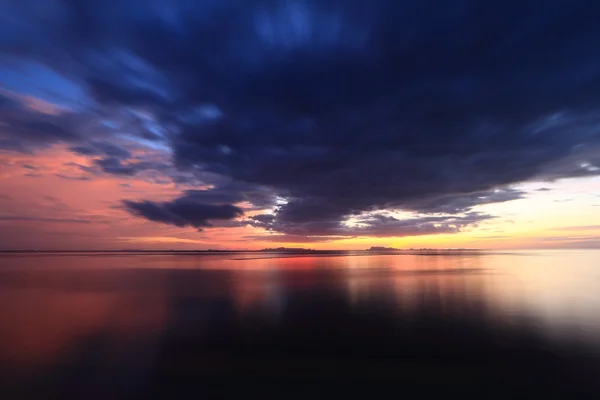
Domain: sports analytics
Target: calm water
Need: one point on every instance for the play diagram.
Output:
(110, 326)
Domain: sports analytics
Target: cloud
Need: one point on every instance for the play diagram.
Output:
(264, 221)
(380, 226)
(25, 218)
(387, 226)
(22, 128)
(114, 165)
(187, 210)
(373, 225)
(102, 148)
(292, 238)
(578, 228)
(197, 207)
(338, 109)
(463, 203)
(235, 192)
(73, 178)
(573, 242)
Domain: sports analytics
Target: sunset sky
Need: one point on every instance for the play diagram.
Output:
(224, 124)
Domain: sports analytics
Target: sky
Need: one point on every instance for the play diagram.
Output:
(245, 124)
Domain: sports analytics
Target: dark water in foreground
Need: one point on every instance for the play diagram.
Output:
(503, 325)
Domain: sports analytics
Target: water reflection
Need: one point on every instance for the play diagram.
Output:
(148, 323)
(40, 326)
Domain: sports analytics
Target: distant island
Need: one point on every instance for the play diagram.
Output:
(287, 250)
(379, 248)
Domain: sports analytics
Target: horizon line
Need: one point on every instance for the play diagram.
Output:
(275, 250)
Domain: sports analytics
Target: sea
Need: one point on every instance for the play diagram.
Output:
(169, 325)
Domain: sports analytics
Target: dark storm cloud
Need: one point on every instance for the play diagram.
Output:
(374, 225)
(387, 226)
(264, 221)
(187, 210)
(264, 218)
(113, 165)
(197, 207)
(340, 107)
(234, 192)
(464, 203)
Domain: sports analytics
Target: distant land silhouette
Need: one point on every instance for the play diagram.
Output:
(379, 248)
(288, 250)
(282, 250)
